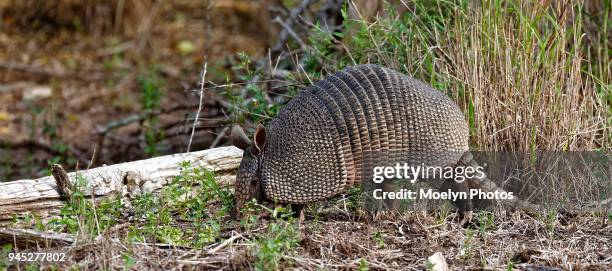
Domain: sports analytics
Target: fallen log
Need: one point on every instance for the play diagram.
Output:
(43, 198)
(24, 237)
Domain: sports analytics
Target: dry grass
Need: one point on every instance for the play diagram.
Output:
(529, 75)
(95, 17)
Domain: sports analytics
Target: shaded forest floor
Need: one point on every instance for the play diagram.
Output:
(60, 86)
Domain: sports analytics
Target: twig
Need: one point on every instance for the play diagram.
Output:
(200, 263)
(116, 49)
(225, 243)
(219, 137)
(202, 83)
(15, 86)
(284, 34)
(95, 211)
(10, 65)
(203, 74)
(137, 117)
(290, 32)
(26, 144)
(144, 29)
(93, 158)
(162, 245)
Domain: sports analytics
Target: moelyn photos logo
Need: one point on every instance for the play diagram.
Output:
(406, 194)
(413, 173)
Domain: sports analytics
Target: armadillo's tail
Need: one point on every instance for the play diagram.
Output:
(486, 185)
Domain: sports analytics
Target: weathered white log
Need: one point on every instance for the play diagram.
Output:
(24, 237)
(41, 196)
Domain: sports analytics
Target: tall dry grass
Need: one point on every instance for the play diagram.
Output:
(529, 75)
(93, 16)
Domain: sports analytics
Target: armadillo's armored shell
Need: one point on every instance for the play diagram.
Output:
(318, 144)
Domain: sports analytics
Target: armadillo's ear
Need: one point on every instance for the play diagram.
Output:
(260, 137)
(239, 138)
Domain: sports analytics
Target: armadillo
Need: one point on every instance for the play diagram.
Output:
(317, 145)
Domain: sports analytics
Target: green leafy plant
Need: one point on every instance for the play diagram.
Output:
(485, 222)
(129, 261)
(80, 216)
(188, 211)
(377, 237)
(249, 100)
(4, 263)
(468, 245)
(280, 238)
(443, 212)
(249, 214)
(550, 220)
(45, 122)
(363, 265)
(152, 91)
(355, 198)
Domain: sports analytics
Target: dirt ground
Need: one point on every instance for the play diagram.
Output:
(514, 241)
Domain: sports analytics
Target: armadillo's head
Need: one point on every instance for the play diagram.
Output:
(248, 180)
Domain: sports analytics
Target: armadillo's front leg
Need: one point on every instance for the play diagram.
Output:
(467, 217)
(386, 208)
(298, 209)
(384, 205)
(465, 206)
(391, 204)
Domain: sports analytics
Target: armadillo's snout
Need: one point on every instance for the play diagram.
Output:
(247, 182)
(244, 192)
(241, 197)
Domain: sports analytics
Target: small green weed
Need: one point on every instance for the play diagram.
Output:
(152, 91)
(256, 106)
(45, 122)
(377, 237)
(4, 263)
(443, 212)
(188, 212)
(468, 245)
(364, 265)
(129, 261)
(355, 198)
(249, 212)
(550, 220)
(80, 216)
(485, 222)
(280, 238)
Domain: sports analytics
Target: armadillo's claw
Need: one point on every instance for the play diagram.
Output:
(467, 218)
(384, 215)
(264, 213)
